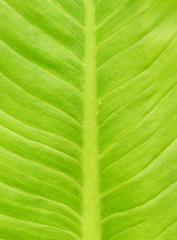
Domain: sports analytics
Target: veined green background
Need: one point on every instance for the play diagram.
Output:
(88, 120)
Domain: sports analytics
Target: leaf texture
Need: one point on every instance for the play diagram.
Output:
(88, 120)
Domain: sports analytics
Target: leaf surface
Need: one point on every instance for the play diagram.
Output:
(88, 117)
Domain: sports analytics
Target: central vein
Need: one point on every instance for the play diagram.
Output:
(91, 211)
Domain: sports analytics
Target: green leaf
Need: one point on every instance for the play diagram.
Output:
(88, 120)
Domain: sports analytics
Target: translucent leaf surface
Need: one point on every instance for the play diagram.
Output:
(88, 120)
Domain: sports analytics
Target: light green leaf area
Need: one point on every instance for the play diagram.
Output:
(88, 120)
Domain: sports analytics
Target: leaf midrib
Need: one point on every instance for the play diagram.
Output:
(91, 199)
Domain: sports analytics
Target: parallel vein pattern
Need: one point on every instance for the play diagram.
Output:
(88, 120)
(41, 118)
(137, 115)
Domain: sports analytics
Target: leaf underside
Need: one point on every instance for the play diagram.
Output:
(88, 120)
